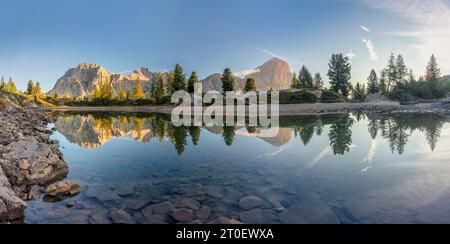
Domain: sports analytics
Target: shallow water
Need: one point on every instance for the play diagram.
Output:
(319, 169)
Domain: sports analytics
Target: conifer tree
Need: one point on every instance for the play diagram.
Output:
(159, 89)
(295, 83)
(30, 87)
(227, 80)
(250, 85)
(193, 80)
(122, 96)
(37, 89)
(305, 78)
(401, 69)
(373, 86)
(339, 73)
(138, 92)
(318, 82)
(179, 79)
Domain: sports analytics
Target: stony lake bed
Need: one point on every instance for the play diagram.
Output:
(346, 168)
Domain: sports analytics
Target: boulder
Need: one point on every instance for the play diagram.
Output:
(63, 188)
(250, 202)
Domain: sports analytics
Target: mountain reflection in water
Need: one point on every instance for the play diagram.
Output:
(95, 130)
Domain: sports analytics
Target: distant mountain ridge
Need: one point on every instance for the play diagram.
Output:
(82, 80)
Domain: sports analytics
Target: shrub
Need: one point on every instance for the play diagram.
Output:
(331, 97)
(297, 97)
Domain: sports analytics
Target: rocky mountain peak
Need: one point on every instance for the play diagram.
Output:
(274, 74)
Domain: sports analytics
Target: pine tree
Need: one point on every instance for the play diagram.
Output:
(138, 92)
(2, 83)
(373, 86)
(432, 77)
(37, 89)
(318, 82)
(170, 77)
(227, 80)
(432, 72)
(411, 77)
(359, 93)
(401, 70)
(383, 83)
(30, 87)
(179, 79)
(305, 78)
(339, 74)
(391, 72)
(250, 85)
(122, 96)
(11, 87)
(106, 91)
(193, 80)
(295, 83)
(159, 89)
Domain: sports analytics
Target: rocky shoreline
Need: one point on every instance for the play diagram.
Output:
(29, 160)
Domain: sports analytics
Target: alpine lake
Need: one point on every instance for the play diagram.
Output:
(344, 168)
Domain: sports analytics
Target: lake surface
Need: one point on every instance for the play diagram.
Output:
(348, 168)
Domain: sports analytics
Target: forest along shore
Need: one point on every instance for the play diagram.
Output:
(441, 107)
(29, 161)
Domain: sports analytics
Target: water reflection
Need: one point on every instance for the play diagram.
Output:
(94, 130)
(346, 168)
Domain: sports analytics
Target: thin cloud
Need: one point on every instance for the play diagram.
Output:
(350, 55)
(246, 72)
(272, 54)
(371, 48)
(365, 28)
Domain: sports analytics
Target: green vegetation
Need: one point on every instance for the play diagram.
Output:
(138, 92)
(250, 85)
(227, 80)
(179, 79)
(193, 80)
(159, 90)
(399, 84)
(328, 96)
(297, 97)
(339, 73)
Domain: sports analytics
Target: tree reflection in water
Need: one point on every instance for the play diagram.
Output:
(93, 130)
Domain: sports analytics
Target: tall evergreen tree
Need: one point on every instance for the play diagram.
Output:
(373, 86)
(432, 72)
(37, 89)
(2, 83)
(305, 78)
(391, 72)
(170, 77)
(193, 80)
(318, 82)
(30, 87)
(179, 79)
(122, 96)
(227, 80)
(383, 83)
(295, 83)
(339, 73)
(359, 93)
(432, 77)
(106, 91)
(138, 92)
(411, 77)
(250, 85)
(11, 86)
(402, 71)
(159, 89)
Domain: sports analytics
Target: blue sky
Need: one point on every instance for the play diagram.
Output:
(40, 40)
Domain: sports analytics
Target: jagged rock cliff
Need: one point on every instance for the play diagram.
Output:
(82, 80)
